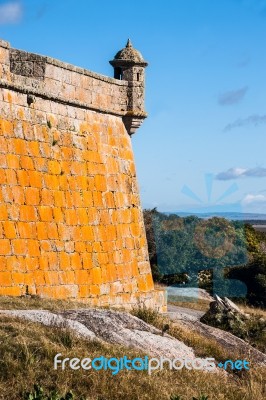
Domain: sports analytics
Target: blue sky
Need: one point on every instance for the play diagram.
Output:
(205, 88)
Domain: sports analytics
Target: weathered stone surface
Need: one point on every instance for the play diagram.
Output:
(50, 319)
(112, 327)
(230, 305)
(27, 64)
(226, 340)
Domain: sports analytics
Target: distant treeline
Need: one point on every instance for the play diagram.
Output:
(256, 222)
(211, 253)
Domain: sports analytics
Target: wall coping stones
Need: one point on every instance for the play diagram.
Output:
(44, 95)
(84, 71)
(49, 79)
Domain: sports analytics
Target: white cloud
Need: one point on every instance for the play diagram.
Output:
(254, 199)
(236, 173)
(10, 12)
(232, 173)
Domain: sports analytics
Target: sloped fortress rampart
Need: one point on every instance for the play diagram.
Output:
(71, 224)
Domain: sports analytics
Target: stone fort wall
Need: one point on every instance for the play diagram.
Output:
(71, 224)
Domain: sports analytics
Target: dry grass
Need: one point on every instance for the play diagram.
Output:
(203, 305)
(256, 311)
(35, 302)
(27, 351)
(26, 357)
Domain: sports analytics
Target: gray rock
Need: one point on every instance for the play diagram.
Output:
(111, 327)
(224, 314)
(125, 329)
(231, 305)
(50, 319)
(226, 339)
(218, 300)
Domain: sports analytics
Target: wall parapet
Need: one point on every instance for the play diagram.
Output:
(52, 79)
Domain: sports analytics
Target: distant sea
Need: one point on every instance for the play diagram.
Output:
(252, 218)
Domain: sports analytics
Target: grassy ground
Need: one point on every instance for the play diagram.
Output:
(203, 305)
(26, 357)
(256, 311)
(35, 302)
(27, 351)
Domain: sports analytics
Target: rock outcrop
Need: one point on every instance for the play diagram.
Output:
(227, 340)
(223, 313)
(190, 319)
(111, 327)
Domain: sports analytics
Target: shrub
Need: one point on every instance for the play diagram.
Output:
(39, 394)
(148, 315)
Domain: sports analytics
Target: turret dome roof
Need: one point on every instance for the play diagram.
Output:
(128, 53)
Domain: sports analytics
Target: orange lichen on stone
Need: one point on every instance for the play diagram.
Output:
(5, 247)
(3, 212)
(9, 229)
